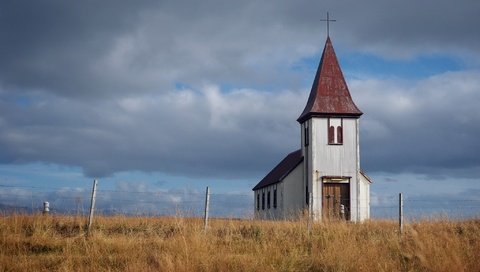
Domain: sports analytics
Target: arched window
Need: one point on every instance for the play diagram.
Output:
(335, 131)
(331, 135)
(339, 135)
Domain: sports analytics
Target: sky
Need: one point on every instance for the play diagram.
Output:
(164, 98)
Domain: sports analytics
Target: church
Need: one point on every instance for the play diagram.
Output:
(324, 175)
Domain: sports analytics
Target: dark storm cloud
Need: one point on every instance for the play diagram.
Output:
(429, 127)
(95, 49)
(53, 45)
(406, 28)
(183, 132)
(92, 84)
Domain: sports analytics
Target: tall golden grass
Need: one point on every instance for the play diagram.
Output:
(58, 243)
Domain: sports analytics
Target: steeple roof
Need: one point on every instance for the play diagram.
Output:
(329, 95)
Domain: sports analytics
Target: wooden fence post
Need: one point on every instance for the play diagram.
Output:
(92, 206)
(400, 212)
(207, 203)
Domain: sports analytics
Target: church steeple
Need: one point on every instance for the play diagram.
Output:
(329, 95)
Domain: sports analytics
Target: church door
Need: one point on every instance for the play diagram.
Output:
(336, 201)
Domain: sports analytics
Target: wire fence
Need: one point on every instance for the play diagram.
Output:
(76, 200)
(430, 207)
(190, 202)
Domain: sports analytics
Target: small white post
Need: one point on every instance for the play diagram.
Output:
(207, 202)
(46, 207)
(92, 206)
(400, 212)
(342, 211)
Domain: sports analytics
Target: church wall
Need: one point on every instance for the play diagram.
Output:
(269, 212)
(289, 197)
(334, 160)
(321, 159)
(364, 198)
(293, 200)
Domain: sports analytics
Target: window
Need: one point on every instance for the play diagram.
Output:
(263, 200)
(306, 138)
(335, 131)
(268, 200)
(258, 201)
(339, 135)
(331, 136)
(275, 198)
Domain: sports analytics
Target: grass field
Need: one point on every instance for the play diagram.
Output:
(58, 243)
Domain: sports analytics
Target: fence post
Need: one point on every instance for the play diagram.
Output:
(310, 212)
(207, 202)
(92, 206)
(400, 212)
(46, 207)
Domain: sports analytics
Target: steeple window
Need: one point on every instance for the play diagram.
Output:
(335, 131)
(339, 134)
(331, 135)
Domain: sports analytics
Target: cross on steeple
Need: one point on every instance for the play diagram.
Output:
(328, 20)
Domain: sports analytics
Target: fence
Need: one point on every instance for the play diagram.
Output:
(77, 200)
(191, 203)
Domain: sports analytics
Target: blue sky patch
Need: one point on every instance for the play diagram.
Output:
(361, 65)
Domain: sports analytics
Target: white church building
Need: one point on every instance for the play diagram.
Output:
(325, 172)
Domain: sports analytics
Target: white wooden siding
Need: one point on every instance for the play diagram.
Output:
(322, 159)
(289, 197)
(293, 193)
(334, 160)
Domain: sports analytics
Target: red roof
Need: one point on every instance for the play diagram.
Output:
(281, 170)
(329, 95)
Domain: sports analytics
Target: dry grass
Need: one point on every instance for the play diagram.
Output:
(57, 243)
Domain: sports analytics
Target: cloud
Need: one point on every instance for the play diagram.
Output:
(92, 50)
(426, 126)
(408, 28)
(182, 132)
(74, 50)
(213, 89)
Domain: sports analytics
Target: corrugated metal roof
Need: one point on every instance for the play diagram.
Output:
(329, 95)
(281, 170)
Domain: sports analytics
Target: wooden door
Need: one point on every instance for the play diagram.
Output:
(334, 196)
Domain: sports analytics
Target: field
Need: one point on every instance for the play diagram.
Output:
(58, 243)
